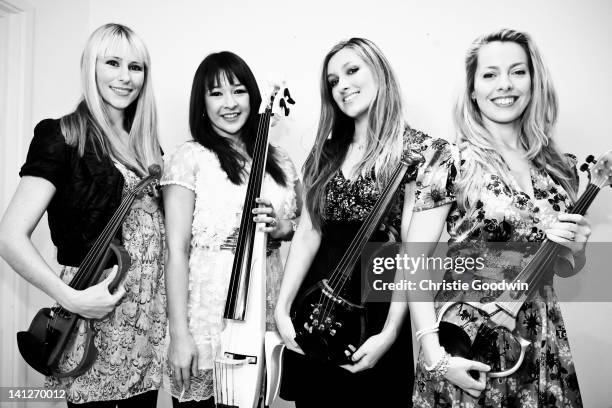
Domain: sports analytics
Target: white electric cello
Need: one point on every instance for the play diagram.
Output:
(246, 351)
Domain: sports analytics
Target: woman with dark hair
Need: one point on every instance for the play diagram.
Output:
(361, 137)
(204, 189)
(512, 185)
(77, 169)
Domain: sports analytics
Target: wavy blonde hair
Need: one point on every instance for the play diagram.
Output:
(91, 119)
(384, 143)
(536, 125)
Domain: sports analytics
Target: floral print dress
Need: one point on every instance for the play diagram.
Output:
(131, 340)
(504, 213)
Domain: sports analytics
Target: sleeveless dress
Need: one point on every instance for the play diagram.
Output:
(216, 223)
(131, 339)
(504, 213)
(314, 383)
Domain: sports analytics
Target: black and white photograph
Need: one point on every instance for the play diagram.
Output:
(290, 204)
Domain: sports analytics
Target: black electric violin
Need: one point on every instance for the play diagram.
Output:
(44, 343)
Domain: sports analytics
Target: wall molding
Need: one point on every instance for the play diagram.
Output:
(16, 70)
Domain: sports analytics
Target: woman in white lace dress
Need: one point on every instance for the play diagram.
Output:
(204, 189)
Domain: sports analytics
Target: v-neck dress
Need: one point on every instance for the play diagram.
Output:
(313, 383)
(504, 213)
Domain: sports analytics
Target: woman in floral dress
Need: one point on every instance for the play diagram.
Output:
(360, 139)
(77, 169)
(205, 184)
(511, 185)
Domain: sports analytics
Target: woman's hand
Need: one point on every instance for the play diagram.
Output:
(370, 352)
(96, 301)
(276, 227)
(458, 374)
(286, 330)
(183, 358)
(572, 231)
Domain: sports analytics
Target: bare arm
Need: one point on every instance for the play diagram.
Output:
(304, 246)
(29, 203)
(415, 227)
(179, 203)
(425, 230)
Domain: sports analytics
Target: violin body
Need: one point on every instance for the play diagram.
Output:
(329, 318)
(473, 331)
(486, 332)
(240, 363)
(50, 332)
(328, 326)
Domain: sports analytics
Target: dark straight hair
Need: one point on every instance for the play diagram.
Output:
(208, 75)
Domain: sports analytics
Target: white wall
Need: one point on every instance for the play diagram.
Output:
(425, 42)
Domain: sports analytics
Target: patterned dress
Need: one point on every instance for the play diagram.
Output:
(216, 222)
(313, 383)
(131, 339)
(504, 213)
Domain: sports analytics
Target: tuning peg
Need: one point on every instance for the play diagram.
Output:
(591, 159)
(284, 106)
(288, 96)
(584, 167)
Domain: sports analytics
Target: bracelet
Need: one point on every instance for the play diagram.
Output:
(435, 363)
(439, 368)
(420, 333)
(442, 368)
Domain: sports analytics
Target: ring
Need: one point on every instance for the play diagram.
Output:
(273, 222)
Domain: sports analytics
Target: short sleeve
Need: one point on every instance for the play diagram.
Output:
(180, 167)
(47, 155)
(436, 176)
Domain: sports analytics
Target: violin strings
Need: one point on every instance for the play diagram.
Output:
(535, 270)
(82, 276)
(246, 224)
(226, 390)
(355, 245)
(340, 275)
(108, 234)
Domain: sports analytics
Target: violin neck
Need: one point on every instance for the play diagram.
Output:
(235, 305)
(344, 270)
(85, 276)
(541, 263)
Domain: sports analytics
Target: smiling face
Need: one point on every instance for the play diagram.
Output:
(502, 82)
(228, 107)
(120, 76)
(352, 83)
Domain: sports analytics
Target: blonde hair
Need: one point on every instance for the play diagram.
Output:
(384, 143)
(536, 125)
(91, 119)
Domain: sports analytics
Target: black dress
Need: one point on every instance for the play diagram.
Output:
(312, 383)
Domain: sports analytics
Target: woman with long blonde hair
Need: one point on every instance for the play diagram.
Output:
(512, 185)
(361, 137)
(77, 169)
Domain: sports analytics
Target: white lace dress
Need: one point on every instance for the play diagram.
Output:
(216, 218)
